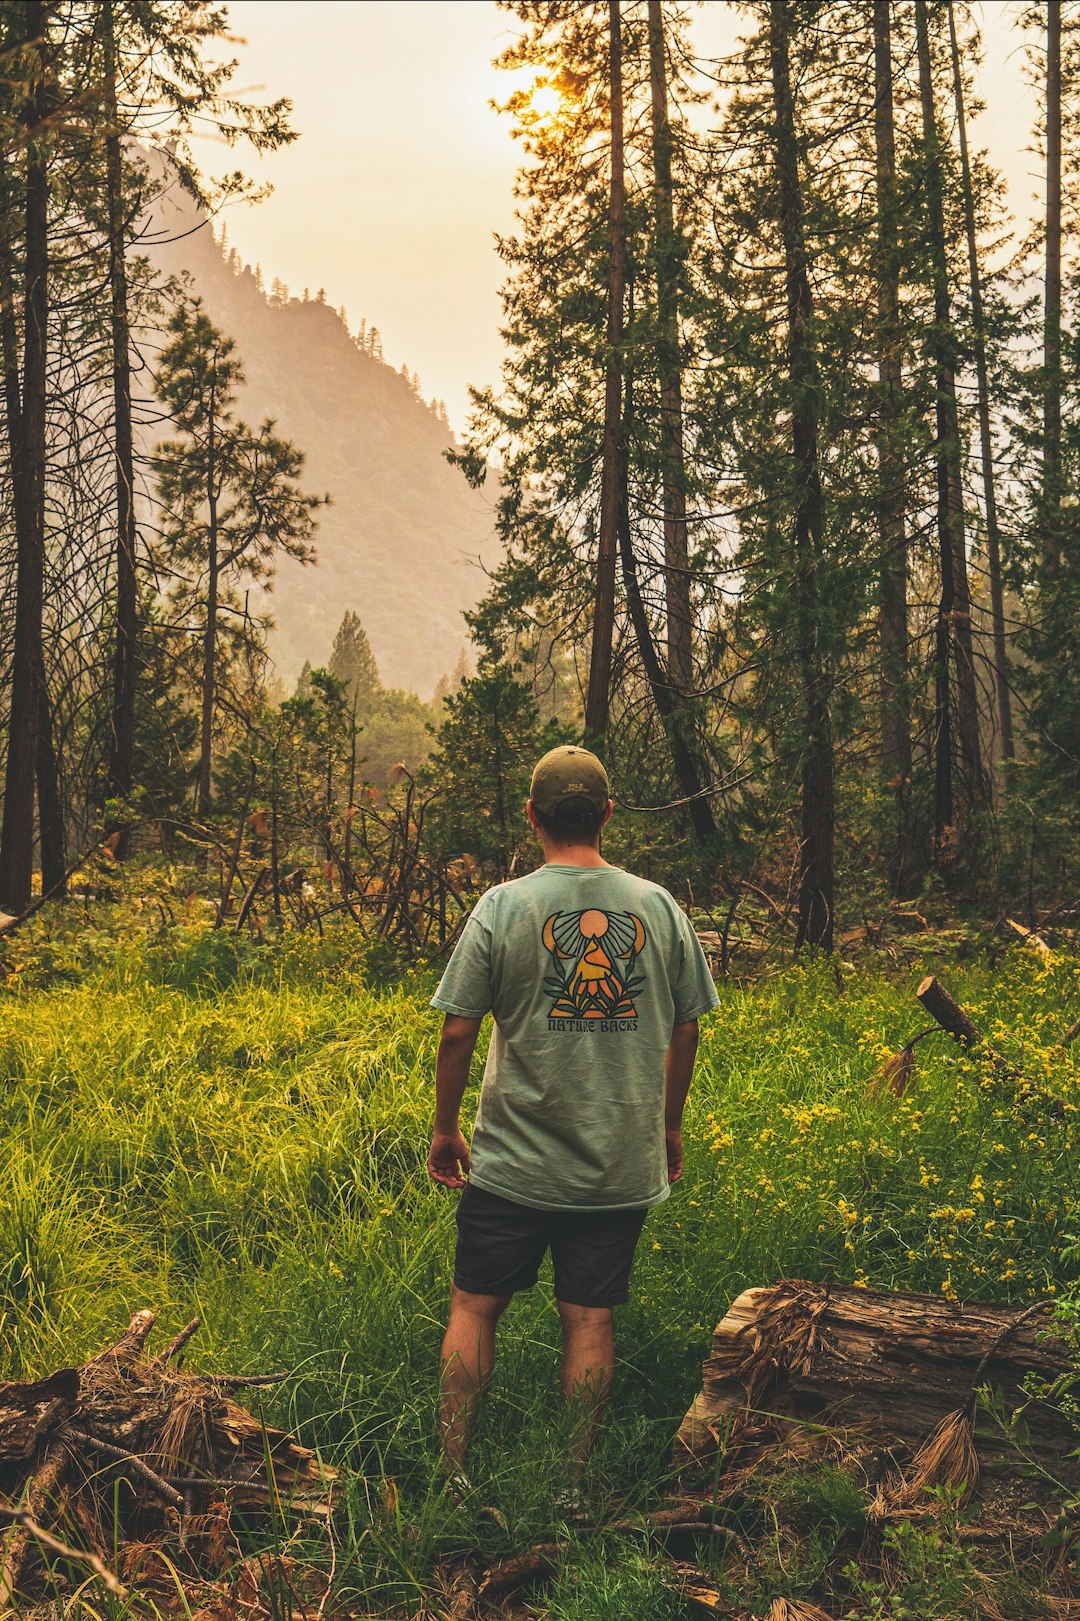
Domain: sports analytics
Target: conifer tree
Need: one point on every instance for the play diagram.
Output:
(231, 504)
(29, 752)
(982, 379)
(353, 663)
(892, 529)
(956, 717)
(816, 850)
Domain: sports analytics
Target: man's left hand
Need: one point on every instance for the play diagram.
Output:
(448, 1159)
(673, 1141)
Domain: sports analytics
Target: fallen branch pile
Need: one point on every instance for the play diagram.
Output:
(135, 1470)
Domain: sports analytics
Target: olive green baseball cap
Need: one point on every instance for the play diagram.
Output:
(568, 773)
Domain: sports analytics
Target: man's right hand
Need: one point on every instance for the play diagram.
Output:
(673, 1144)
(448, 1159)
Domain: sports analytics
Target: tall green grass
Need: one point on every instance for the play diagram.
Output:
(243, 1138)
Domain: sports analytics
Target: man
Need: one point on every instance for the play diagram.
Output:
(596, 982)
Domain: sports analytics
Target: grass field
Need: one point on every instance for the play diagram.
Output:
(245, 1141)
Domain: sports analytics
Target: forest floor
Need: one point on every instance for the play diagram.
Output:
(241, 1135)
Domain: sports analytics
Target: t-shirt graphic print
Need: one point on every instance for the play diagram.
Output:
(593, 955)
(585, 970)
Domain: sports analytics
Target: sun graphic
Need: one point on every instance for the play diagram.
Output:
(603, 947)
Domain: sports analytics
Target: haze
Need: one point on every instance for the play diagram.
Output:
(403, 171)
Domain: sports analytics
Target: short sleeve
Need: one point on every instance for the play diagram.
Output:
(694, 992)
(466, 988)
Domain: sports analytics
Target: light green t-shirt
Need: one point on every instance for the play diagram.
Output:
(585, 970)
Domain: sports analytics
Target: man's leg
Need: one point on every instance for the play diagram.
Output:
(468, 1357)
(587, 1371)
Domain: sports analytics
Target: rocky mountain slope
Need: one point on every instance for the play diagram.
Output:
(404, 541)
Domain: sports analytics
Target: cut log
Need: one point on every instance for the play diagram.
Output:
(951, 1017)
(889, 1368)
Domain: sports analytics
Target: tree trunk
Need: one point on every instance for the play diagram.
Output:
(122, 740)
(986, 444)
(668, 255)
(597, 699)
(1051, 469)
(892, 537)
(51, 832)
(948, 1013)
(669, 699)
(206, 728)
(17, 832)
(953, 641)
(816, 854)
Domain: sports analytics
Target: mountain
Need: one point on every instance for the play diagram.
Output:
(403, 542)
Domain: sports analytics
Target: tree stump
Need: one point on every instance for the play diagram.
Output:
(941, 1007)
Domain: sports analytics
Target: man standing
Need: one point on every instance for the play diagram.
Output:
(596, 982)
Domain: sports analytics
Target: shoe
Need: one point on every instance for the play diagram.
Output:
(460, 1491)
(571, 1507)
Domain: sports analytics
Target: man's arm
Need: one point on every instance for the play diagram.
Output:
(679, 1069)
(448, 1159)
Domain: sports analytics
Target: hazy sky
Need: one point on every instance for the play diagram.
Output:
(403, 171)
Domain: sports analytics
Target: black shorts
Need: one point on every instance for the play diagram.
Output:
(500, 1246)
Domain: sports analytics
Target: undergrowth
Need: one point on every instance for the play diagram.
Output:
(241, 1135)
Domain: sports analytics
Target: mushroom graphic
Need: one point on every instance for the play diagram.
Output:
(596, 941)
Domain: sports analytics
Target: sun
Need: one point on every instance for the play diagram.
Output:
(545, 102)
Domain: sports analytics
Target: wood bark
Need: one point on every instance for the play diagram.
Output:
(887, 1368)
(949, 1014)
(892, 536)
(955, 704)
(17, 829)
(1051, 459)
(816, 853)
(603, 624)
(122, 738)
(669, 366)
(986, 443)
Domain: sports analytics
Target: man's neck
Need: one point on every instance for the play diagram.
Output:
(572, 855)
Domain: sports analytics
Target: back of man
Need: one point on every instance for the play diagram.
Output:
(585, 971)
(596, 981)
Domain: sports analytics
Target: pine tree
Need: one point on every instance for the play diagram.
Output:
(956, 717)
(982, 379)
(353, 663)
(231, 505)
(816, 849)
(29, 753)
(893, 630)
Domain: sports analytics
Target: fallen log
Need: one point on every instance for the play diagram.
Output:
(126, 1448)
(1028, 937)
(886, 1369)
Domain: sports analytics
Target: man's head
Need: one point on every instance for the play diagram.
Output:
(570, 797)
